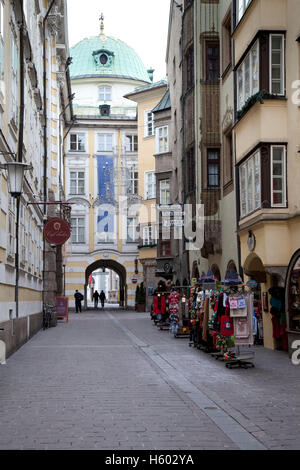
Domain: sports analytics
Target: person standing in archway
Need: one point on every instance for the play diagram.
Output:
(78, 299)
(102, 298)
(96, 296)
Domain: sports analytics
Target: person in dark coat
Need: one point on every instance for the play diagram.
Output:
(102, 298)
(96, 296)
(78, 299)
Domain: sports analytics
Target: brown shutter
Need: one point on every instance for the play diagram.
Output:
(264, 62)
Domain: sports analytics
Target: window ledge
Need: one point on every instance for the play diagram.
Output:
(257, 98)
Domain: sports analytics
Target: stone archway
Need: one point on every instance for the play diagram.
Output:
(114, 266)
(254, 268)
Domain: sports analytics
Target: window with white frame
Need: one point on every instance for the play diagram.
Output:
(162, 142)
(104, 93)
(277, 64)
(250, 185)
(2, 58)
(150, 185)
(148, 235)
(241, 6)
(131, 230)
(77, 142)
(105, 142)
(133, 179)
(149, 124)
(14, 109)
(131, 143)
(164, 192)
(248, 77)
(77, 182)
(278, 178)
(78, 229)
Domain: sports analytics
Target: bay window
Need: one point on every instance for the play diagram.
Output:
(162, 139)
(278, 171)
(164, 192)
(277, 64)
(250, 185)
(241, 6)
(248, 77)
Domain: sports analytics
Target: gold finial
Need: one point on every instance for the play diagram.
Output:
(102, 23)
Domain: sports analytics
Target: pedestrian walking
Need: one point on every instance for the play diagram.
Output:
(78, 299)
(96, 296)
(102, 298)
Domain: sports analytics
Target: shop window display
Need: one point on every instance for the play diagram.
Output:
(294, 298)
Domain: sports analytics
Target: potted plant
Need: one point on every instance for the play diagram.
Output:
(140, 298)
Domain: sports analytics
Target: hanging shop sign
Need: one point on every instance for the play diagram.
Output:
(134, 280)
(57, 231)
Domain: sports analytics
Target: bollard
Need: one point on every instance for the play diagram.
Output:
(2, 353)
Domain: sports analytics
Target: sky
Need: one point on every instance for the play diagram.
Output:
(142, 24)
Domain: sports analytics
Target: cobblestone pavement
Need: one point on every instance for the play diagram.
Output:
(112, 380)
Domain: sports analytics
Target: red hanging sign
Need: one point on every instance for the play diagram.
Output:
(57, 231)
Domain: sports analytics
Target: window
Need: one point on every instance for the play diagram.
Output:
(213, 168)
(162, 144)
(149, 124)
(250, 185)
(1, 47)
(241, 6)
(165, 248)
(77, 182)
(150, 185)
(212, 61)
(248, 77)
(133, 180)
(277, 64)
(278, 186)
(105, 142)
(131, 143)
(14, 79)
(131, 230)
(149, 237)
(226, 42)
(190, 173)
(77, 227)
(164, 192)
(104, 92)
(227, 157)
(77, 142)
(189, 60)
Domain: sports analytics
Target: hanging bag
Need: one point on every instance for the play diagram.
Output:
(226, 328)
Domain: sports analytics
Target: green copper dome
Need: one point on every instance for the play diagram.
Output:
(104, 56)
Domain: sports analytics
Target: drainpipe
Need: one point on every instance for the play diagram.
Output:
(19, 151)
(45, 136)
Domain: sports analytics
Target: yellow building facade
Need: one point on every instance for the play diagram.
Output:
(267, 142)
(147, 98)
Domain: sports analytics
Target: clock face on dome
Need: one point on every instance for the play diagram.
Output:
(103, 58)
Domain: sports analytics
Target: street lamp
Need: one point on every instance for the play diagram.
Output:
(15, 178)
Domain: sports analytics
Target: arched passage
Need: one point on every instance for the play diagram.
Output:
(254, 268)
(114, 266)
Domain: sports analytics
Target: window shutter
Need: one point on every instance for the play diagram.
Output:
(265, 177)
